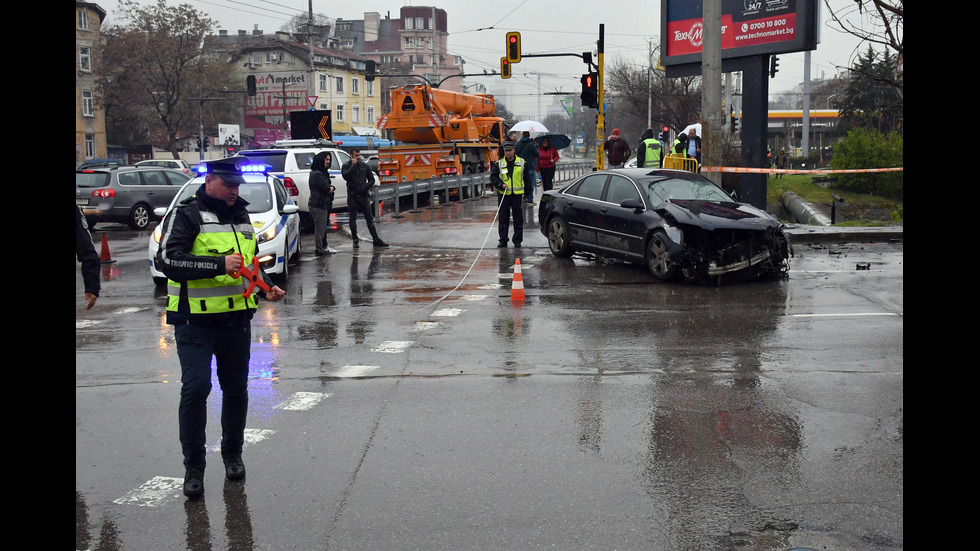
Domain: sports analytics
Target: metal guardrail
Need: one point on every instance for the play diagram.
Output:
(467, 186)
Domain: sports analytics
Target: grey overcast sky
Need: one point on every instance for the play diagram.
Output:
(477, 33)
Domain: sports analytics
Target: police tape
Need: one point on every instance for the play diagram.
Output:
(742, 170)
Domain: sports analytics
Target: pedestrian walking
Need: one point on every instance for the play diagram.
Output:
(321, 201)
(205, 242)
(85, 253)
(617, 150)
(509, 178)
(649, 154)
(780, 162)
(547, 159)
(528, 150)
(694, 146)
(360, 180)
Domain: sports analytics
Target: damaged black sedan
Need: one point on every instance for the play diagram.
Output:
(681, 225)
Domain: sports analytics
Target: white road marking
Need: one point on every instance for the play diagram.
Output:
(153, 492)
(82, 324)
(842, 314)
(301, 401)
(355, 370)
(448, 312)
(393, 347)
(426, 325)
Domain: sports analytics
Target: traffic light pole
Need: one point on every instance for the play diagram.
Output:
(600, 126)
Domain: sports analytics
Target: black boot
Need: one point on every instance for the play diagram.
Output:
(194, 483)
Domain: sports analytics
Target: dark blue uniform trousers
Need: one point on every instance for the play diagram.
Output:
(230, 345)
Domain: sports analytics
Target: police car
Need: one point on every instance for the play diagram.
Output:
(273, 213)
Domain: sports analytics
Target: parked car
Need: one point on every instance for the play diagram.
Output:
(679, 224)
(176, 164)
(274, 215)
(126, 194)
(93, 163)
(292, 165)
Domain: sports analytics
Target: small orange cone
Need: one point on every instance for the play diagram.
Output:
(517, 288)
(106, 258)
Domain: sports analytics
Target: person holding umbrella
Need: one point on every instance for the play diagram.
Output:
(528, 150)
(547, 158)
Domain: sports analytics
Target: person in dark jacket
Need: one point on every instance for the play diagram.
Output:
(617, 150)
(321, 201)
(527, 149)
(205, 242)
(649, 153)
(509, 178)
(360, 180)
(85, 253)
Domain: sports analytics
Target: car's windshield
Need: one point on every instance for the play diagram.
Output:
(700, 189)
(90, 178)
(276, 160)
(258, 195)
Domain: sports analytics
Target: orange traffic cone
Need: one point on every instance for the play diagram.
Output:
(106, 258)
(517, 288)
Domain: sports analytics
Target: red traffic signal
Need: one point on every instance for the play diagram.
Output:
(590, 90)
(504, 68)
(514, 47)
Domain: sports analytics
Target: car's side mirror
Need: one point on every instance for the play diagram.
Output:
(634, 204)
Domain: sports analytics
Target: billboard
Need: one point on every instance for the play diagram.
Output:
(748, 28)
(277, 93)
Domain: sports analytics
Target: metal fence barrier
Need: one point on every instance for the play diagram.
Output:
(466, 187)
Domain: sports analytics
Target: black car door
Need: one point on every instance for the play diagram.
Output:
(581, 207)
(619, 230)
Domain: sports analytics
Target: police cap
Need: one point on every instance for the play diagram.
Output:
(230, 169)
(508, 145)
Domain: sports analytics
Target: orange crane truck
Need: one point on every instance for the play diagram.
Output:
(438, 133)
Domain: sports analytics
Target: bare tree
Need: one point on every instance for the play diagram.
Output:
(675, 102)
(875, 21)
(159, 81)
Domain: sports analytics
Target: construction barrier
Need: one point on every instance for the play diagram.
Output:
(681, 163)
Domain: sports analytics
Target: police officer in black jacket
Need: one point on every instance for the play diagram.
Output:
(360, 180)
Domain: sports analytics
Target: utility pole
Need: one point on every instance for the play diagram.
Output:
(600, 127)
(311, 87)
(650, 84)
(711, 98)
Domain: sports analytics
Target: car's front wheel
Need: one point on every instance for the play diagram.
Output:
(139, 217)
(282, 277)
(658, 257)
(558, 238)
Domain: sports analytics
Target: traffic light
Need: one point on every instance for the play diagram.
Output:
(514, 47)
(206, 140)
(250, 84)
(370, 68)
(590, 90)
(504, 68)
(773, 66)
(198, 145)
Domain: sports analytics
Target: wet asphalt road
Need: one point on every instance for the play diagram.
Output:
(401, 400)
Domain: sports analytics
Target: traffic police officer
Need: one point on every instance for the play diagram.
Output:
(205, 242)
(508, 177)
(649, 154)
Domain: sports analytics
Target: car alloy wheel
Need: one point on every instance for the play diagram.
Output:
(139, 217)
(558, 238)
(658, 257)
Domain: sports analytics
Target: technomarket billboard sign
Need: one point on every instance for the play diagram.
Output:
(748, 28)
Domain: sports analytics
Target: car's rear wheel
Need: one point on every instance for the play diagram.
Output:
(658, 257)
(558, 238)
(139, 217)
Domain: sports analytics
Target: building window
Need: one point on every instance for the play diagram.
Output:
(85, 59)
(419, 23)
(355, 114)
(420, 59)
(89, 145)
(370, 114)
(323, 82)
(272, 57)
(369, 87)
(419, 42)
(88, 105)
(408, 22)
(339, 85)
(355, 86)
(338, 112)
(83, 20)
(409, 43)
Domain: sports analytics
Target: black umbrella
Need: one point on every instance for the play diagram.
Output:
(558, 141)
